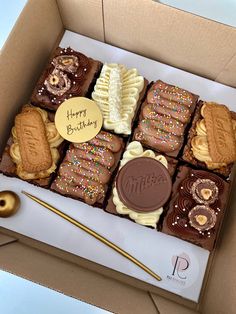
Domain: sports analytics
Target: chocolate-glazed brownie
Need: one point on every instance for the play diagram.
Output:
(34, 148)
(197, 207)
(197, 136)
(115, 205)
(68, 74)
(164, 116)
(87, 168)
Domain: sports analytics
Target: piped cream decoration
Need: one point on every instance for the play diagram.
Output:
(116, 93)
(54, 140)
(135, 150)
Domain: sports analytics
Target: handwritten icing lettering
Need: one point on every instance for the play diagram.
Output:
(78, 119)
(76, 114)
(80, 126)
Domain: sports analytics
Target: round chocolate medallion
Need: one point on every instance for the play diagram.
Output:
(143, 184)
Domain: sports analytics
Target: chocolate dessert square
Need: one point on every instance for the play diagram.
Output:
(68, 74)
(164, 117)
(197, 151)
(145, 186)
(34, 147)
(87, 168)
(197, 207)
(119, 93)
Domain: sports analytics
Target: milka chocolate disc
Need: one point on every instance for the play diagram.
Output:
(143, 184)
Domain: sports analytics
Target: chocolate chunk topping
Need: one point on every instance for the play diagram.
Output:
(143, 184)
(204, 191)
(57, 83)
(202, 217)
(66, 63)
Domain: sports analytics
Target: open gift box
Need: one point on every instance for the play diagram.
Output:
(152, 30)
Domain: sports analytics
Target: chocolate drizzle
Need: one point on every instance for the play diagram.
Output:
(180, 224)
(183, 204)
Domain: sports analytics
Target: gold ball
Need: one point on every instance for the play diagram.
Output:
(9, 203)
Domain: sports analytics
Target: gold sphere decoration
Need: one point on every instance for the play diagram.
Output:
(9, 203)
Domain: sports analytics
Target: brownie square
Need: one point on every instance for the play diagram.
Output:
(68, 74)
(164, 117)
(188, 155)
(34, 148)
(197, 207)
(135, 150)
(119, 93)
(87, 169)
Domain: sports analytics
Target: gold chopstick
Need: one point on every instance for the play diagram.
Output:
(94, 234)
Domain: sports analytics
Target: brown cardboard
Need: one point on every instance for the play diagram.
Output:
(227, 74)
(5, 239)
(221, 287)
(31, 41)
(171, 36)
(84, 19)
(68, 278)
(165, 306)
(163, 36)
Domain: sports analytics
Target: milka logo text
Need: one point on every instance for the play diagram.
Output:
(141, 183)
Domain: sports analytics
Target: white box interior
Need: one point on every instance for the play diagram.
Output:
(37, 223)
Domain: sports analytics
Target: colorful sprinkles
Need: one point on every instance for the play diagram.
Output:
(165, 115)
(86, 169)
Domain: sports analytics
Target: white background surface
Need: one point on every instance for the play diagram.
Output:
(223, 11)
(9, 11)
(20, 296)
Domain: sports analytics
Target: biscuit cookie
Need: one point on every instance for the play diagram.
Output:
(34, 147)
(220, 133)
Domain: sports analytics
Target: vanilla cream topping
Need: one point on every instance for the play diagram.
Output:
(135, 150)
(116, 92)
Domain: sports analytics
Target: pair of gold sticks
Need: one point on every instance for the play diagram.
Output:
(93, 234)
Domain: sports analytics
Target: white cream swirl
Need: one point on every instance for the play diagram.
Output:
(116, 93)
(135, 150)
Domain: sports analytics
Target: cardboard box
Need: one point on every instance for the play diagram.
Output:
(153, 30)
